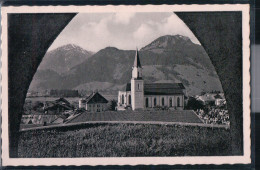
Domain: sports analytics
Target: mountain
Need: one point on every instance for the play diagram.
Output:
(166, 59)
(64, 58)
(44, 79)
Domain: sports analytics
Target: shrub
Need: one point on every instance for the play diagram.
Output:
(194, 104)
(112, 105)
(37, 105)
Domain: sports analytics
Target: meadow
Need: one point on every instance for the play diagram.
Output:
(124, 140)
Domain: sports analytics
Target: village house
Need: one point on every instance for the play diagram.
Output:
(48, 112)
(212, 99)
(58, 106)
(140, 95)
(95, 102)
(220, 100)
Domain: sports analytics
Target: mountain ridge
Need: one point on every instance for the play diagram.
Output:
(64, 58)
(167, 58)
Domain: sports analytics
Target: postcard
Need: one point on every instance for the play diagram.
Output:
(126, 85)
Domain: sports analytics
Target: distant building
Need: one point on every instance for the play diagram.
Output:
(38, 119)
(57, 107)
(207, 99)
(212, 99)
(59, 120)
(94, 103)
(220, 100)
(139, 95)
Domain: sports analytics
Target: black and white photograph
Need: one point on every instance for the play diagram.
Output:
(110, 85)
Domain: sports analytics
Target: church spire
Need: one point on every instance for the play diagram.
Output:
(137, 62)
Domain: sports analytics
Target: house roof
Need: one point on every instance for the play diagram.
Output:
(160, 88)
(62, 100)
(206, 98)
(218, 96)
(60, 119)
(95, 97)
(56, 105)
(137, 62)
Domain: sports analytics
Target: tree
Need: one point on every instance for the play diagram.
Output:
(194, 104)
(112, 105)
(37, 105)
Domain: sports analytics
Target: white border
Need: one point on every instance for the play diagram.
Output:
(245, 159)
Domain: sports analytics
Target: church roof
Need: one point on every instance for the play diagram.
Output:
(128, 87)
(163, 88)
(160, 88)
(137, 62)
(95, 97)
(164, 85)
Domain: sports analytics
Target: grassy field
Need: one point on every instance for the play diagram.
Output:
(187, 116)
(124, 140)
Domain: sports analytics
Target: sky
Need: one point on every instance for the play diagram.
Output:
(95, 31)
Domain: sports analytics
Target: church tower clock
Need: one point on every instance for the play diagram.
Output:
(137, 84)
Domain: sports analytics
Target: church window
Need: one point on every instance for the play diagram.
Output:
(154, 101)
(147, 102)
(138, 86)
(129, 98)
(162, 101)
(138, 74)
(123, 101)
(170, 102)
(178, 102)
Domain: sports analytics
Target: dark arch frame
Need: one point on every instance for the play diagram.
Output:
(223, 28)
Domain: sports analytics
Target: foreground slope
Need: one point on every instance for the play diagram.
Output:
(124, 140)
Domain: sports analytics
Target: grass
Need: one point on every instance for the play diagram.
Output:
(124, 140)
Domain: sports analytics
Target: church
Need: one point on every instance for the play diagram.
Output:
(140, 95)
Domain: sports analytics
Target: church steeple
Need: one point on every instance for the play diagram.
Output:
(137, 84)
(137, 62)
(137, 68)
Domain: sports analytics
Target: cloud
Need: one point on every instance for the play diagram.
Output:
(101, 29)
(143, 35)
(123, 17)
(174, 25)
(143, 31)
(92, 35)
(171, 25)
(122, 30)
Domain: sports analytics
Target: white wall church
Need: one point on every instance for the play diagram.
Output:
(140, 95)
